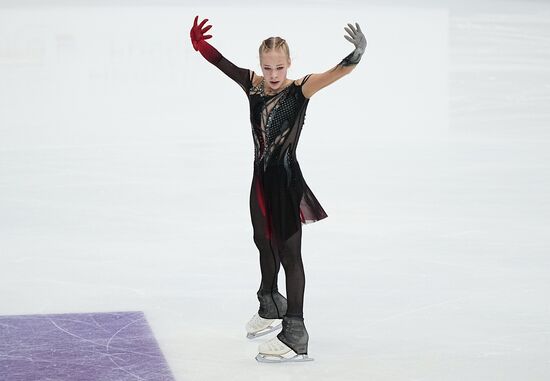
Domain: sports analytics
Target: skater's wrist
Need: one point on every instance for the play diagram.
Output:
(353, 58)
(210, 53)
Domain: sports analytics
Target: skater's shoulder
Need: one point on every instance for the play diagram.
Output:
(300, 81)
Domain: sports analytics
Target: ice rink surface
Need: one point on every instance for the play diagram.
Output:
(126, 163)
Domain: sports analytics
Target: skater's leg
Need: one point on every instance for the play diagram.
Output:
(269, 265)
(269, 257)
(273, 305)
(291, 258)
(291, 344)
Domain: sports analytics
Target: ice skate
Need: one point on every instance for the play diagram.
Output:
(258, 326)
(273, 307)
(290, 345)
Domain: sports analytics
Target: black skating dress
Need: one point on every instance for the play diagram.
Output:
(278, 187)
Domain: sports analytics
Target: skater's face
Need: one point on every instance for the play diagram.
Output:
(274, 64)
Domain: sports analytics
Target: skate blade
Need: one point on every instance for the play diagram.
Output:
(264, 332)
(277, 359)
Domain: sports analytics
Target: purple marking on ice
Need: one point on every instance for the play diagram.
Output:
(108, 346)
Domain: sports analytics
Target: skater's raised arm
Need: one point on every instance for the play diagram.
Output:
(317, 81)
(239, 75)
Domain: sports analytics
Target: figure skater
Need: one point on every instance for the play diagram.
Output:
(280, 199)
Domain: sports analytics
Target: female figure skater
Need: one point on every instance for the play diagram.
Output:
(280, 199)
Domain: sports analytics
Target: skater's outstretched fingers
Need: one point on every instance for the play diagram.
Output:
(197, 32)
(205, 29)
(201, 24)
(357, 37)
(351, 31)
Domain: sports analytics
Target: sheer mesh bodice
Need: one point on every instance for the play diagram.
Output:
(280, 199)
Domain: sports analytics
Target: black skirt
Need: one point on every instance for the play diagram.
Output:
(285, 201)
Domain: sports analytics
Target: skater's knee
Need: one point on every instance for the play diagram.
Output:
(261, 242)
(290, 261)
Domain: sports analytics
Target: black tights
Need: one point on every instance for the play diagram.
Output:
(271, 258)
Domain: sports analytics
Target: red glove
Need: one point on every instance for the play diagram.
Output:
(198, 40)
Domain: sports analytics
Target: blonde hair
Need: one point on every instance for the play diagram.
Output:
(273, 43)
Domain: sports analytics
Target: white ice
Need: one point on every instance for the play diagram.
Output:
(126, 162)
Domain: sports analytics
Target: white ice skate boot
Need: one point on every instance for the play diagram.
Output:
(273, 307)
(258, 326)
(289, 345)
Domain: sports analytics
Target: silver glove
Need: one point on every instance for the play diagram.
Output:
(358, 39)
